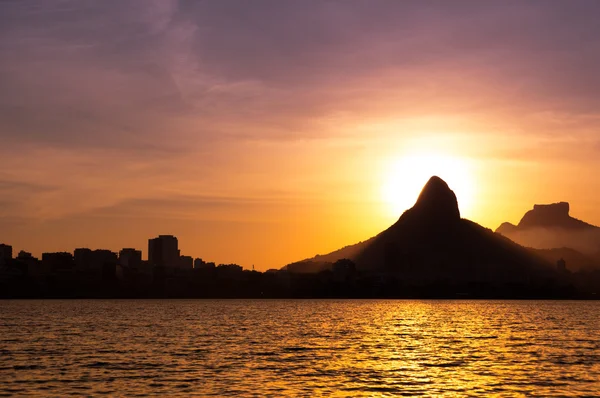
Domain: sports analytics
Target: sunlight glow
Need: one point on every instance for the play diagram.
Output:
(405, 177)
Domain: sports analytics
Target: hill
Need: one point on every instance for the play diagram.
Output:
(552, 231)
(575, 261)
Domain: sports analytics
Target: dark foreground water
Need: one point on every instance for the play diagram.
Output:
(299, 348)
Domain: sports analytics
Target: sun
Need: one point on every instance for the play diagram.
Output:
(405, 177)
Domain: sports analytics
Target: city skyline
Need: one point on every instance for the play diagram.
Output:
(161, 251)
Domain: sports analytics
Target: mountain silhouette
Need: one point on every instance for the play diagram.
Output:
(551, 227)
(432, 241)
(575, 261)
(554, 215)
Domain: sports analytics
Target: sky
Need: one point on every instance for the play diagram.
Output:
(264, 132)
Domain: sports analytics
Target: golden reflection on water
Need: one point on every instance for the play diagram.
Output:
(300, 348)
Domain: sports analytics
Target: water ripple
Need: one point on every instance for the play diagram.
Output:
(299, 348)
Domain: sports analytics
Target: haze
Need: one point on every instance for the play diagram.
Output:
(265, 132)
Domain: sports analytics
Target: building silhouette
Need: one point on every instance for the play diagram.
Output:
(104, 262)
(201, 264)
(53, 262)
(198, 263)
(100, 262)
(5, 254)
(131, 258)
(163, 251)
(186, 262)
(23, 255)
(82, 258)
(32, 265)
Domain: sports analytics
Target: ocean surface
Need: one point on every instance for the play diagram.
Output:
(299, 348)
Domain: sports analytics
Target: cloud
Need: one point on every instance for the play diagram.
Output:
(193, 207)
(87, 73)
(18, 198)
(81, 74)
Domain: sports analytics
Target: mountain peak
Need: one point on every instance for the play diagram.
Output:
(437, 200)
(549, 226)
(555, 214)
(431, 242)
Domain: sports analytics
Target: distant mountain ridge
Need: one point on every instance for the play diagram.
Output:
(575, 261)
(550, 226)
(554, 215)
(431, 240)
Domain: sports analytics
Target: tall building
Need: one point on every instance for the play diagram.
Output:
(105, 261)
(130, 258)
(163, 251)
(186, 262)
(199, 263)
(98, 262)
(61, 261)
(32, 264)
(102, 258)
(83, 258)
(5, 254)
(23, 255)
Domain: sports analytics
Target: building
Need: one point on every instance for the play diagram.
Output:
(186, 262)
(96, 262)
(23, 255)
(230, 268)
(105, 263)
(163, 251)
(130, 258)
(5, 254)
(52, 262)
(31, 264)
(201, 264)
(198, 263)
(82, 258)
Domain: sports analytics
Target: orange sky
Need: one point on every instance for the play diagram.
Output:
(266, 134)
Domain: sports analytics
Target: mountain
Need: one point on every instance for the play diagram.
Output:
(554, 215)
(322, 262)
(432, 241)
(575, 261)
(551, 227)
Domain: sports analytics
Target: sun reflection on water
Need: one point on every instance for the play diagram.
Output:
(300, 348)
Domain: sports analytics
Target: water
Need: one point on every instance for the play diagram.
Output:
(299, 348)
